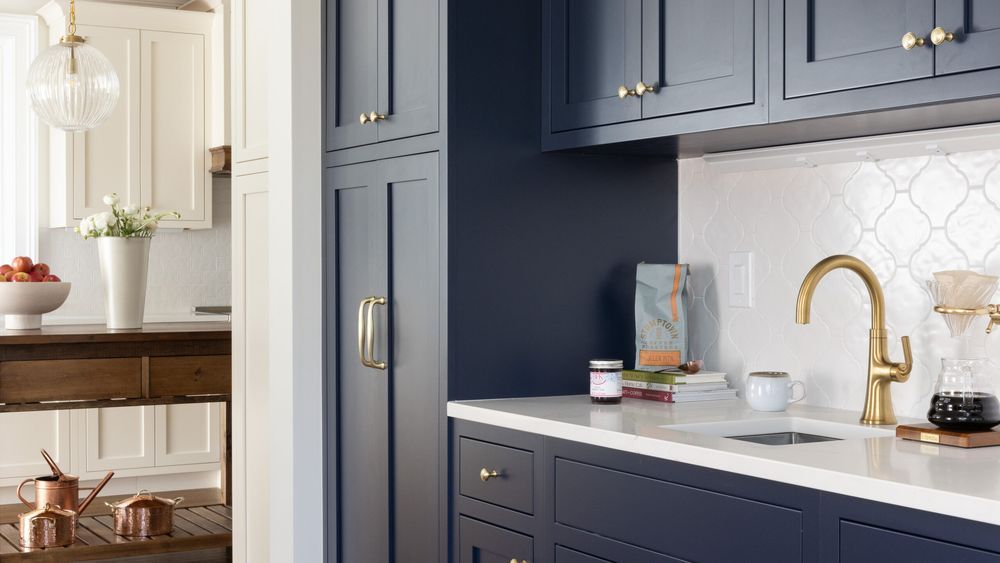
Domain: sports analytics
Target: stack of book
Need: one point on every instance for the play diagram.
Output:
(676, 386)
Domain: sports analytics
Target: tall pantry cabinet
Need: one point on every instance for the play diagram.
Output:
(249, 115)
(460, 261)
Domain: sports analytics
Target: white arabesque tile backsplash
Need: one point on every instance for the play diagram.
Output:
(186, 268)
(905, 217)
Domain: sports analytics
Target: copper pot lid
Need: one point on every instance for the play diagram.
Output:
(49, 510)
(145, 499)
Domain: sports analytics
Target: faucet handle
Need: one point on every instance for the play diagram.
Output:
(901, 372)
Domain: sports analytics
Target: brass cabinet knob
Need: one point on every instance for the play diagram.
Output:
(514, 560)
(364, 118)
(624, 92)
(375, 116)
(643, 88)
(939, 36)
(910, 41)
(485, 474)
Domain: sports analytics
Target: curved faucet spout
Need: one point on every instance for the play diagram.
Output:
(881, 370)
(803, 306)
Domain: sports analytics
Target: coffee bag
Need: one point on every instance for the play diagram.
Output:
(661, 332)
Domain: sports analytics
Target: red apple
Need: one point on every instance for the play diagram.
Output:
(52, 278)
(21, 277)
(4, 269)
(35, 276)
(9, 276)
(22, 264)
(42, 268)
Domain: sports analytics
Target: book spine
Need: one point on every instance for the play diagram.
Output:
(648, 394)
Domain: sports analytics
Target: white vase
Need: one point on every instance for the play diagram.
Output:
(124, 263)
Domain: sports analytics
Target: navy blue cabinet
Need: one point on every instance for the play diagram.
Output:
(382, 70)
(485, 543)
(595, 505)
(975, 41)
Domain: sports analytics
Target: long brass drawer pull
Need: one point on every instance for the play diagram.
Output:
(486, 474)
(362, 331)
(370, 333)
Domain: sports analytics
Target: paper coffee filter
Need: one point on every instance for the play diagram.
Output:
(963, 289)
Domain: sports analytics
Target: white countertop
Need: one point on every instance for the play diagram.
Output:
(958, 482)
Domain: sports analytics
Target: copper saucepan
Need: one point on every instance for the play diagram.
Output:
(144, 515)
(48, 526)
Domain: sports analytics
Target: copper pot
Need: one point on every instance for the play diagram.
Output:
(48, 526)
(61, 490)
(144, 515)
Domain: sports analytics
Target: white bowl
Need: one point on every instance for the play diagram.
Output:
(24, 303)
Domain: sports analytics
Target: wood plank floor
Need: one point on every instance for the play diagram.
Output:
(202, 532)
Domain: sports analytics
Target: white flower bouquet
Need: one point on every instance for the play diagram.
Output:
(130, 221)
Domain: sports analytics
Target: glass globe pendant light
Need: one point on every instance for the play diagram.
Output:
(72, 86)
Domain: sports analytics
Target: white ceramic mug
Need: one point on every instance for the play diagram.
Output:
(772, 391)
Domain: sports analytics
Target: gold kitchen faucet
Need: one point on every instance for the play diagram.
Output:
(881, 370)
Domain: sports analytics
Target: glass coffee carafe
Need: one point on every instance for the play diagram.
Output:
(964, 398)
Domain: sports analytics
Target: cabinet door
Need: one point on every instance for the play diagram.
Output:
(360, 474)
(351, 72)
(23, 434)
(174, 173)
(106, 159)
(480, 542)
(699, 54)
(187, 434)
(835, 45)
(118, 438)
(976, 26)
(407, 68)
(410, 188)
(594, 48)
(249, 90)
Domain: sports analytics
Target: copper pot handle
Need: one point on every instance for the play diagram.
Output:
(24, 500)
(178, 500)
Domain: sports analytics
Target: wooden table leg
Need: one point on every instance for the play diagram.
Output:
(227, 454)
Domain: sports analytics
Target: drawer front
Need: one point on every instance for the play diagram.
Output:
(58, 380)
(861, 542)
(190, 375)
(480, 542)
(565, 555)
(673, 519)
(513, 487)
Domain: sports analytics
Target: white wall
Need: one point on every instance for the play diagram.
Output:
(186, 268)
(905, 217)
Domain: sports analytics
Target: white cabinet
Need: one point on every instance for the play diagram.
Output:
(187, 434)
(249, 81)
(116, 439)
(24, 433)
(153, 150)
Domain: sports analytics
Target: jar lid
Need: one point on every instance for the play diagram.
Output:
(144, 499)
(606, 364)
(769, 373)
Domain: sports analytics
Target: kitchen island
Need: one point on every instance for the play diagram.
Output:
(646, 481)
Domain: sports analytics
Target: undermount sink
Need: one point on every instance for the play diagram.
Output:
(783, 431)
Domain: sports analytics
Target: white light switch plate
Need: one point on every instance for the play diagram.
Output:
(741, 279)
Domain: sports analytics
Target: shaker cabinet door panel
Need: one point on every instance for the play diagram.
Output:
(594, 48)
(23, 434)
(480, 542)
(408, 68)
(693, 69)
(975, 25)
(187, 434)
(118, 438)
(833, 45)
(362, 416)
(351, 72)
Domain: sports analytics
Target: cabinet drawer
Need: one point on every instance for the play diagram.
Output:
(190, 375)
(480, 542)
(565, 555)
(861, 542)
(513, 487)
(57, 380)
(673, 519)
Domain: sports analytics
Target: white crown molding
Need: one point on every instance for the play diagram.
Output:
(900, 145)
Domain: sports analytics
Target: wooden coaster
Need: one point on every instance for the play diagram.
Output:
(934, 435)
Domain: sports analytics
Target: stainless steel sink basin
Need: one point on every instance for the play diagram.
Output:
(783, 430)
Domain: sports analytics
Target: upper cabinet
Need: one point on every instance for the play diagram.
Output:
(249, 84)
(974, 26)
(152, 151)
(382, 71)
(679, 63)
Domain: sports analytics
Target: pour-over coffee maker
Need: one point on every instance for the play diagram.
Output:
(964, 397)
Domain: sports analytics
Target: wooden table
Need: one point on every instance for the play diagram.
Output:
(89, 366)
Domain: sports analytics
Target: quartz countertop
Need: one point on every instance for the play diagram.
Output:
(954, 481)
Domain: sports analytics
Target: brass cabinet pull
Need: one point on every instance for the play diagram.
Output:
(375, 116)
(643, 88)
(486, 474)
(364, 118)
(624, 92)
(939, 36)
(370, 333)
(910, 40)
(361, 331)
(514, 560)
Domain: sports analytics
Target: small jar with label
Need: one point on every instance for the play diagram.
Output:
(606, 381)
